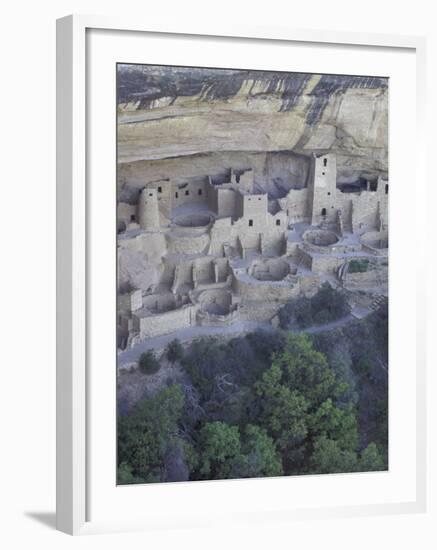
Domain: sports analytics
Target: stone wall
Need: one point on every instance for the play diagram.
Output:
(322, 188)
(163, 189)
(227, 203)
(183, 243)
(254, 207)
(227, 199)
(194, 272)
(222, 233)
(372, 278)
(168, 274)
(189, 192)
(183, 275)
(321, 200)
(140, 262)
(367, 207)
(309, 284)
(123, 304)
(203, 271)
(259, 311)
(304, 258)
(295, 204)
(148, 211)
(126, 213)
(164, 323)
(162, 302)
(243, 181)
(211, 320)
(256, 291)
(221, 266)
(326, 264)
(292, 250)
(376, 240)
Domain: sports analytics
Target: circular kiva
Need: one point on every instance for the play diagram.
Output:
(320, 237)
(216, 301)
(160, 303)
(375, 239)
(273, 269)
(193, 220)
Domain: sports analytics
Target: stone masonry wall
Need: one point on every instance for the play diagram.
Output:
(164, 323)
(295, 204)
(180, 243)
(125, 212)
(265, 292)
(323, 186)
(226, 203)
(189, 193)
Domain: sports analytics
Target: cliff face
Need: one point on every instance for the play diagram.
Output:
(188, 122)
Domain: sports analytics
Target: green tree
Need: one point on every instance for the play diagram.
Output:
(328, 304)
(219, 450)
(329, 458)
(259, 455)
(145, 434)
(148, 363)
(336, 348)
(371, 460)
(125, 475)
(283, 410)
(297, 313)
(203, 361)
(297, 404)
(307, 371)
(175, 351)
(336, 424)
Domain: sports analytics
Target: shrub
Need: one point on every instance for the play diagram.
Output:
(148, 363)
(146, 435)
(325, 306)
(175, 351)
(296, 314)
(358, 266)
(331, 301)
(322, 317)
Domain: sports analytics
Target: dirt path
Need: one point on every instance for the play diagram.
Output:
(329, 326)
(185, 335)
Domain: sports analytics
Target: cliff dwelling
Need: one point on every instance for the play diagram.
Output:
(252, 264)
(218, 252)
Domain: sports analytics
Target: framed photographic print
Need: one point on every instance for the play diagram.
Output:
(240, 298)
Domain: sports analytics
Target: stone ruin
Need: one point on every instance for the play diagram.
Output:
(207, 253)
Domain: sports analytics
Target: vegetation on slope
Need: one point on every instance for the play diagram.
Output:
(265, 404)
(325, 306)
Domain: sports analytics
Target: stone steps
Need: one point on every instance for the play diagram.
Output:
(378, 302)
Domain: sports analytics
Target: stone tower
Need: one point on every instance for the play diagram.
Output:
(322, 187)
(148, 211)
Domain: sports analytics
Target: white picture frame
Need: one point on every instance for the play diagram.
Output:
(73, 471)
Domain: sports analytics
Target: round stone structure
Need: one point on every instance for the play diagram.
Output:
(377, 240)
(193, 220)
(216, 301)
(320, 237)
(272, 269)
(161, 303)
